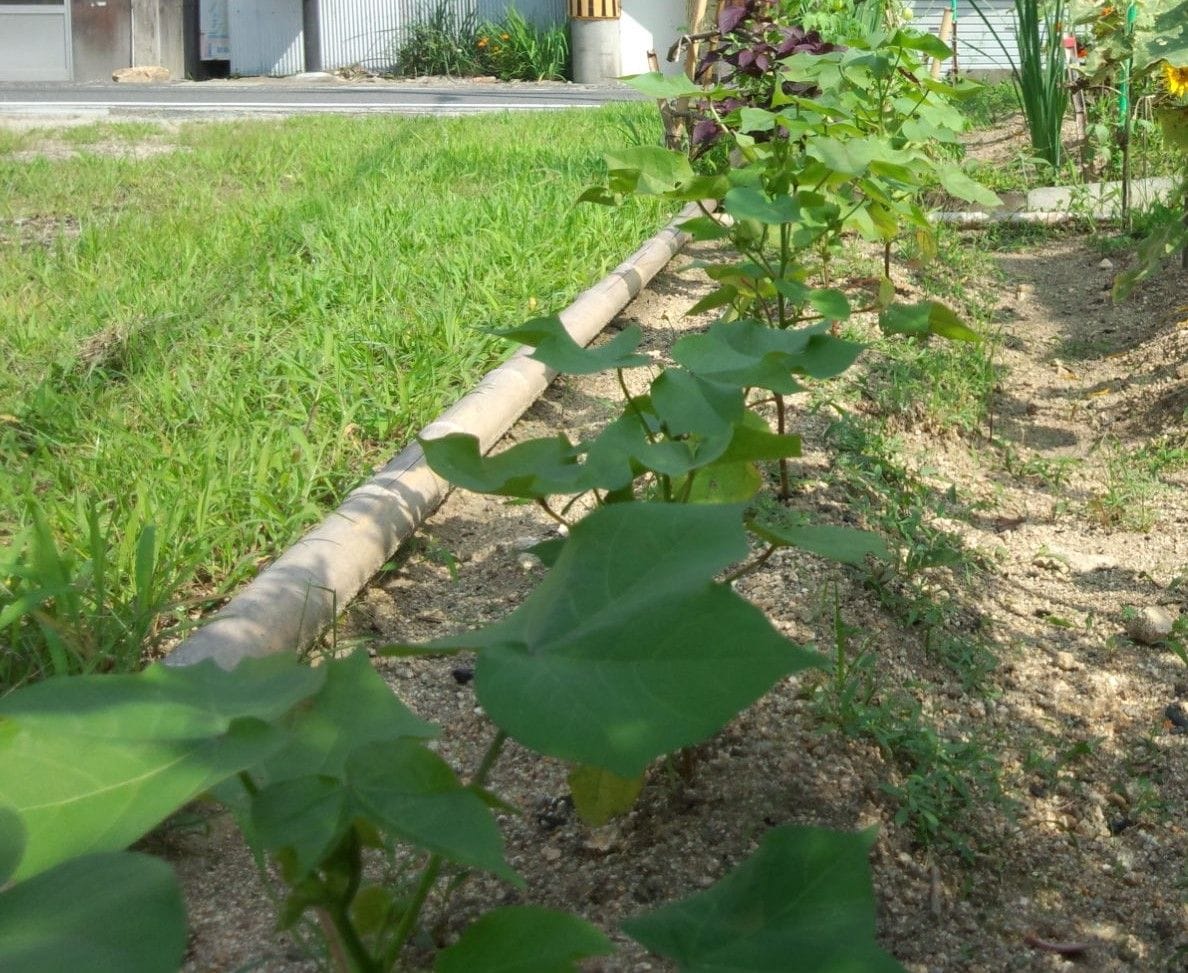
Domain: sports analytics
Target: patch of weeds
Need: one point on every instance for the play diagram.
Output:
(942, 387)
(1051, 472)
(1134, 482)
(992, 104)
(889, 499)
(940, 782)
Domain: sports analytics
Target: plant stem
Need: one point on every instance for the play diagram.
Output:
(409, 919)
(433, 865)
(751, 568)
(346, 945)
(489, 758)
(633, 407)
(781, 426)
(544, 505)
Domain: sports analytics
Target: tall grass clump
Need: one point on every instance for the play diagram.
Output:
(206, 349)
(1039, 75)
(442, 42)
(513, 49)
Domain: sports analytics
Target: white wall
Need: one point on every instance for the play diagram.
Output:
(977, 49)
(651, 25)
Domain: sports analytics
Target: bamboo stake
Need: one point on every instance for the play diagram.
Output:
(694, 27)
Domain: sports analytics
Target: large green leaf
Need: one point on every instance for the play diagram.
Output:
(958, 184)
(803, 901)
(554, 346)
(523, 939)
(668, 86)
(923, 319)
(1167, 40)
(751, 204)
(536, 468)
(412, 792)
(12, 843)
(91, 763)
(304, 816)
(748, 353)
(105, 913)
(647, 169)
(354, 707)
(845, 544)
(627, 649)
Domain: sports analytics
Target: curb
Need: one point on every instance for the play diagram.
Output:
(293, 600)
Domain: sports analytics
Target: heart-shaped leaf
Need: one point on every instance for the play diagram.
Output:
(554, 346)
(105, 913)
(523, 939)
(845, 544)
(627, 649)
(803, 901)
(91, 763)
(412, 792)
(305, 816)
(536, 468)
(647, 169)
(748, 353)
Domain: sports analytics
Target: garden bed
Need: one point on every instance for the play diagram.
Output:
(1023, 758)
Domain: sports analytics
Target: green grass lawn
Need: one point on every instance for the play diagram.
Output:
(222, 339)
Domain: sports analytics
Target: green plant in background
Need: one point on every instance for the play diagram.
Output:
(442, 42)
(512, 49)
(1150, 42)
(1040, 74)
(446, 42)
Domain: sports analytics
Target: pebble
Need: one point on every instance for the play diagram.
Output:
(1066, 661)
(1106, 264)
(1177, 714)
(1151, 625)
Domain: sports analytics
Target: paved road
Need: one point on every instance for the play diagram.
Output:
(290, 97)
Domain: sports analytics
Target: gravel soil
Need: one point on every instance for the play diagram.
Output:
(1071, 853)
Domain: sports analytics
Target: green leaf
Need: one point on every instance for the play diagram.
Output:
(105, 913)
(91, 763)
(412, 792)
(12, 843)
(627, 649)
(1174, 122)
(536, 468)
(668, 86)
(523, 939)
(304, 815)
(958, 184)
(554, 346)
(845, 544)
(705, 228)
(849, 158)
(924, 319)
(751, 204)
(355, 706)
(722, 482)
(926, 44)
(806, 893)
(831, 304)
(750, 354)
(598, 795)
(647, 169)
(722, 297)
(943, 321)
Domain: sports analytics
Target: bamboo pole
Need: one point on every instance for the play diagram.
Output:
(694, 28)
